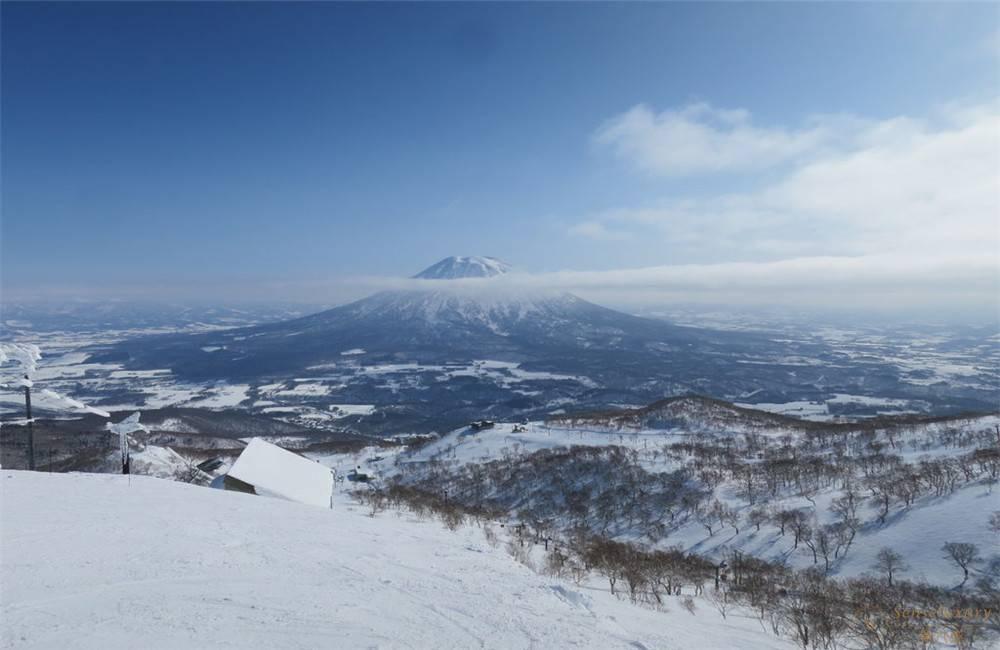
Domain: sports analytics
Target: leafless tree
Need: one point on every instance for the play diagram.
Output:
(756, 517)
(965, 556)
(800, 526)
(720, 598)
(890, 563)
(881, 492)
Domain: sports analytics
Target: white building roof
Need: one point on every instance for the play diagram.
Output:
(274, 471)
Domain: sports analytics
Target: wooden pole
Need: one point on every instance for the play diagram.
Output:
(31, 429)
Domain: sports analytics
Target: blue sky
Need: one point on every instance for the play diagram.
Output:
(240, 148)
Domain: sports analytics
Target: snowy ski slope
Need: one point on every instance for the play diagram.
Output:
(101, 561)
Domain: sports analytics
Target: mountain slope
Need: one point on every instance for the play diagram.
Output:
(404, 349)
(441, 323)
(656, 486)
(452, 268)
(98, 561)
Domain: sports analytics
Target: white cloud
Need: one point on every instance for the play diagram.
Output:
(913, 187)
(700, 138)
(891, 213)
(598, 231)
(990, 45)
(875, 274)
(947, 287)
(886, 282)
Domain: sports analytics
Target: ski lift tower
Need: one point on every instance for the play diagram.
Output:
(26, 355)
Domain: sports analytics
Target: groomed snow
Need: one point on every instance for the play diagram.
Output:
(100, 561)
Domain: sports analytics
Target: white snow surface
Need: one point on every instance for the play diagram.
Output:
(279, 472)
(103, 561)
(75, 403)
(224, 396)
(453, 268)
(25, 354)
(343, 410)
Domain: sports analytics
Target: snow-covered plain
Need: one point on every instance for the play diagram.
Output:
(102, 561)
(932, 362)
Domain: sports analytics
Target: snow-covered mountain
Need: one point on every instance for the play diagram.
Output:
(420, 353)
(443, 322)
(456, 267)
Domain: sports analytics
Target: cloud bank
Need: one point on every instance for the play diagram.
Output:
(898, 185)
(947, 287)
(885, 282)
(893, 211)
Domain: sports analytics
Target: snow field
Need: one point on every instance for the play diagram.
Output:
(98, 561)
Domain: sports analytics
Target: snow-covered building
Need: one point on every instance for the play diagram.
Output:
(268, 470)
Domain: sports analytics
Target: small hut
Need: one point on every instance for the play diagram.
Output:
(269, 470)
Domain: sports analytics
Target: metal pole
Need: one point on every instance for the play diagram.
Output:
(31, 430)
(123, 443)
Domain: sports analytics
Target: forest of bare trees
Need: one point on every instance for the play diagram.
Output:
(605, 511)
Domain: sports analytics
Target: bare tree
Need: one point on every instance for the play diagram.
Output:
(711, 515)
(731, 516)
(963, 555)
(826, 541)
(784, 519)
(846, 507)
(872, 622)
(748, 482)
(807, 610)
(881, 494)
(890, 563)
(800, 527)
(757, 516)
(720, 598)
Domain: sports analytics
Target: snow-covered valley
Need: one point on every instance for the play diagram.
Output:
(375, 393)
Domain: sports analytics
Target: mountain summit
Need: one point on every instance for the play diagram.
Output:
(454, 268)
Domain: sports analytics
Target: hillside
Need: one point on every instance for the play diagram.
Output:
(701, 413)
(706, 481)
(98, 561)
